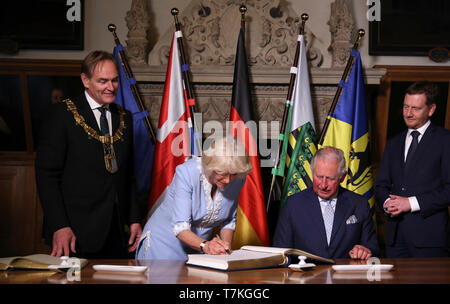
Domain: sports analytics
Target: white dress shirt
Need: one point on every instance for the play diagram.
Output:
(412, 199)
(413, 202)
(324, 203)
(94, 107)
(408, 138)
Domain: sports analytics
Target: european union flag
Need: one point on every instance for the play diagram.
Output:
(143, 145)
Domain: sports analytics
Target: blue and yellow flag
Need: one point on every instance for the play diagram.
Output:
(348, 130)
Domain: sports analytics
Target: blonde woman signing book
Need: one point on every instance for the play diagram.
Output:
(203, 195)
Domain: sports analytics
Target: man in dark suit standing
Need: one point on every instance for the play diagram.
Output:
(413, 182)
(328, 220)
(84, 169)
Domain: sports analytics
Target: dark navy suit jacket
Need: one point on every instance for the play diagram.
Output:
(428, 178)
(301, 225)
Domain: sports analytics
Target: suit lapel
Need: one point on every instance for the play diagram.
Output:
(424, 143)
(115, 121)
(85, 110)
(401, 151)
(316, 216)
(343, 210)
(115, 117)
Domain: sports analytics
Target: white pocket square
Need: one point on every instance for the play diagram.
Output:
(351, 220)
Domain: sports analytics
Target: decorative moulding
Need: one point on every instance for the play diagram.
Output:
(210, 30)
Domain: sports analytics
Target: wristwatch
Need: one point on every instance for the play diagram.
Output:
(202, 246)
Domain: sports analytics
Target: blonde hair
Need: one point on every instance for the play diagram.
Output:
(226, 155)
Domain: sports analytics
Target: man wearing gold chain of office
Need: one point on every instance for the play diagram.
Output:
(84, 169)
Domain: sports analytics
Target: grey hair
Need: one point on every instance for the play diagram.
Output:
(226, 155)
(331, 153)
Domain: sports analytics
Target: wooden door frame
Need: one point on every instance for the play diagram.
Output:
(403, 74)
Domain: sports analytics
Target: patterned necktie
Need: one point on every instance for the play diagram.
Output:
(412, 148)
(104, 128)
(328, 217)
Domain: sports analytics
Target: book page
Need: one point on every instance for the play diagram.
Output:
(6, 262)
(40, 261)
(51, 260)
(265, 249)
(223, 261)
(43, 259)
(236, 255)
(287, 251)
(35, 261)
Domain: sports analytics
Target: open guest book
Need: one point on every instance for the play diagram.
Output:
(249, 257)
(41, 262)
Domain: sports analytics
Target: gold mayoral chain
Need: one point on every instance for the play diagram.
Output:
(106, 140)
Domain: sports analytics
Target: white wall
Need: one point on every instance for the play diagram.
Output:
(99, 13)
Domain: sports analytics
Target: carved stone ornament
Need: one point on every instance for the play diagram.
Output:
(137, 19)
(342, 26)
(211, 28)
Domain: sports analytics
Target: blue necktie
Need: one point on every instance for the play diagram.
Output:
(328, 217)
(104, 128)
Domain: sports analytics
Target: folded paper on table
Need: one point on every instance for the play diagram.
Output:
(381, 267)
(120, 268)
(249, 257)
(39, 262)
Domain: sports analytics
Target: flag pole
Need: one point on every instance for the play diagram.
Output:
(134, 89)
(287, 108)
(185, 70)
(251, 224)
(347, 69)
(243, 10)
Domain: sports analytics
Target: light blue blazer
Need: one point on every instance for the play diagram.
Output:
(187, 205)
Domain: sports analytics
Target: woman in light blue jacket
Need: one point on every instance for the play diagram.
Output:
(203, 195)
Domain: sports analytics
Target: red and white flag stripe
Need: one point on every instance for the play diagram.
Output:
(173, 139)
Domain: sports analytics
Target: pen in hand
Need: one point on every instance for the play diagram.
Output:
(226, 249)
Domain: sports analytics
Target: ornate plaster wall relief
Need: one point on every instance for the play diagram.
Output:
(342, 25)
(210, 30)
(137, 19)
(211, 27)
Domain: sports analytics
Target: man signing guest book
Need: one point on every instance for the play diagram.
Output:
(328, 220)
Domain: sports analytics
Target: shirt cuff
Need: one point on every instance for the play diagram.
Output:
(180, 227)
(414, 204)
(231, 226)
(384, 208)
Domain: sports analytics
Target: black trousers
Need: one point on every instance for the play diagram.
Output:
(115, 246)
(403, 247)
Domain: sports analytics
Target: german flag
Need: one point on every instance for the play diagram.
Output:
(251, 227)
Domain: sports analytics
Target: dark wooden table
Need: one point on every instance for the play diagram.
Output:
(406, 271)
